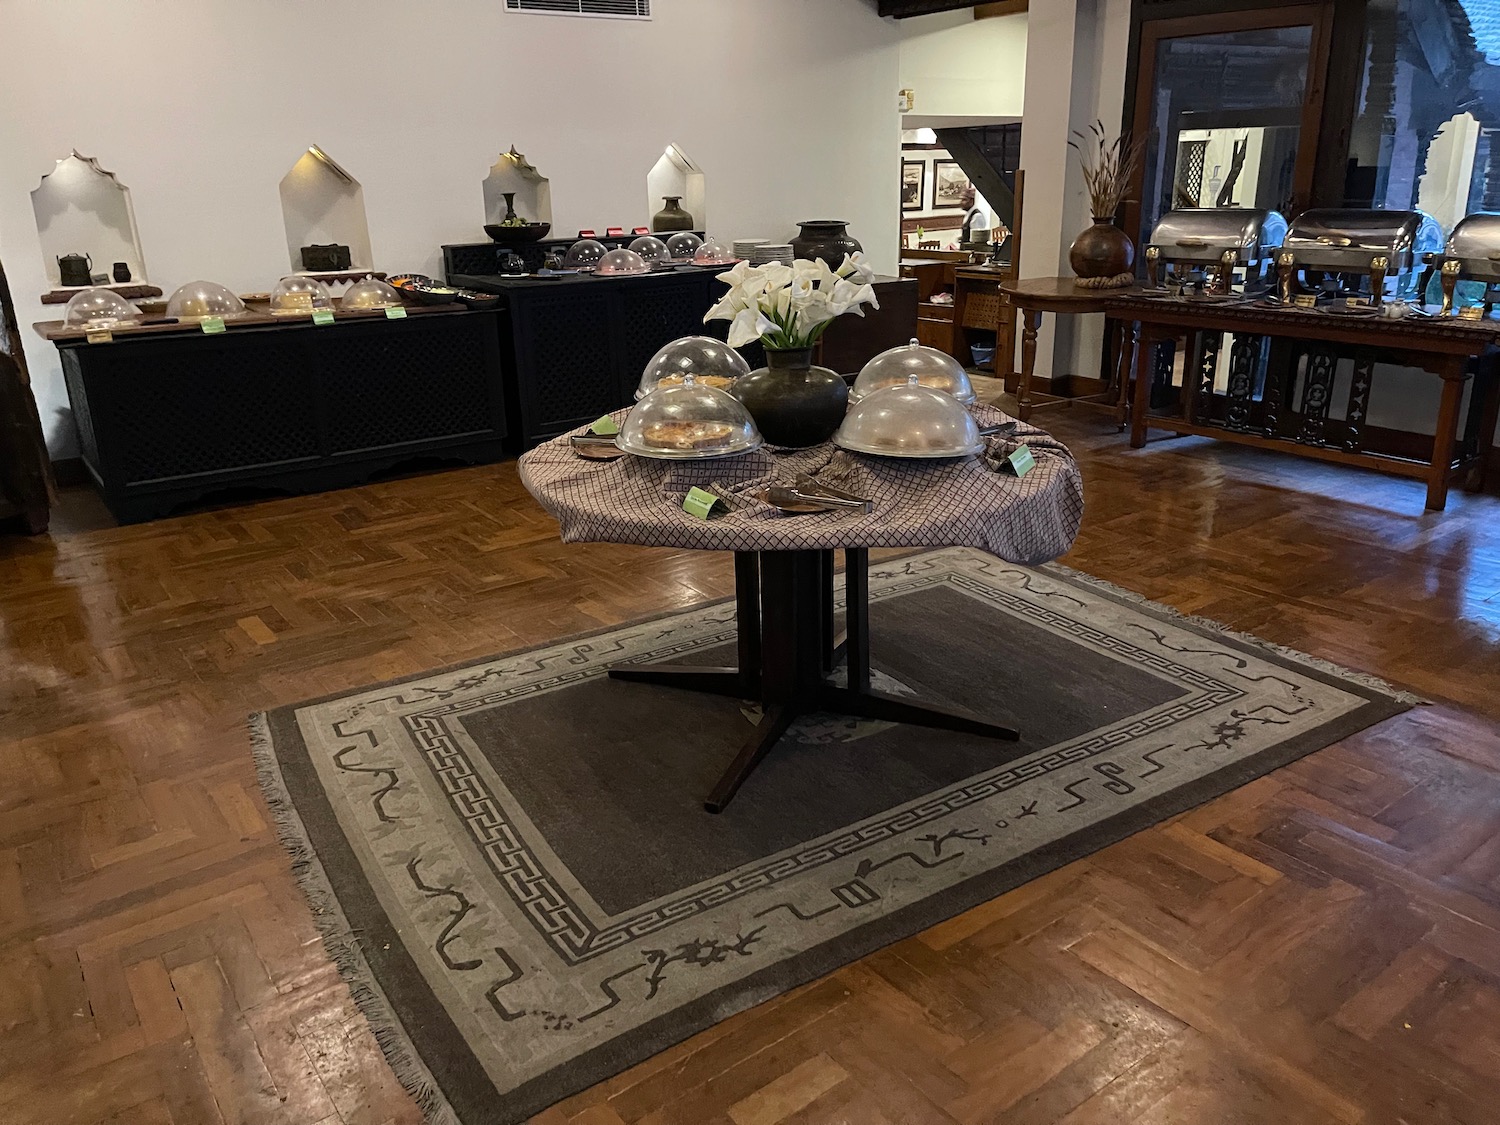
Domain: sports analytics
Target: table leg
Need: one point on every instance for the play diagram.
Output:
(1031, 321)
(857, 616)
(1454, 374)
(1144, 369)
(1488, 384)
(773, 724)
(1125, 364)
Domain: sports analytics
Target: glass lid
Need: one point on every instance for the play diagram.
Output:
(621, 261)
(198, 301)
(99, 308)
(583, 254)
(713, 253)
(713, 362)
(653, 251)
(688, 421)
(909, 420)
(371, 293)
(893, 367)
(299, 296)
(683, 245)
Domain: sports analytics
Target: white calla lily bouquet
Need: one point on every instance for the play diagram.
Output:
(790, 306)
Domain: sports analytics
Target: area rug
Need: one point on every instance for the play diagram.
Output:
(511, 864)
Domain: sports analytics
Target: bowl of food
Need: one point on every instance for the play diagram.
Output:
(688, 422)
(512, 234)
(713, 362)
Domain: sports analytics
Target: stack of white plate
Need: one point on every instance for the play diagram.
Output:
(771, 252)
(744, 246)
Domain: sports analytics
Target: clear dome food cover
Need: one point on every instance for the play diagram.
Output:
(686, 422)
(371, 293)
(584, 254)
(893, 367)
(297, 295)
(99, 308)
(909, 421)
(198, 301)
(620, 262)
(683, 245)
(653, 251)
(713, 362)
(713, 253)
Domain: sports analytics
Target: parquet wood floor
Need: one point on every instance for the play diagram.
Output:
(1321, 946)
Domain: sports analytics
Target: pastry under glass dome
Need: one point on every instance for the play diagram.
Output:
(370, 294)
(653, 251)
(713, 253)
(99, 308)
(620, 262)
(198, 301)
(893, 367)
(683, 245)
(909, 421)
(298, 295)
(584, 254)
(688, 422)
(713, 362)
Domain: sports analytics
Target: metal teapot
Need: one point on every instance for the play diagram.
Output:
(76, 269)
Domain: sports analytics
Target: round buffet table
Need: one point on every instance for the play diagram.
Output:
(784, 589)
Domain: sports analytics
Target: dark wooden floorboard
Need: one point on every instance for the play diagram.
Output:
(1322, 945)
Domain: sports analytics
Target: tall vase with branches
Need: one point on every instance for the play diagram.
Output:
(1103, 255)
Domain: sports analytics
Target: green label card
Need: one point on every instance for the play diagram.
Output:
(700, 502)
(396, 312)
(605, 427)
(1022, 461)
(323, 316)
(212, 325)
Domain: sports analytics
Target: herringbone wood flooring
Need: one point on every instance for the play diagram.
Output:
(1320, 946)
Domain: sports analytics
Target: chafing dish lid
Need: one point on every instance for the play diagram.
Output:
(1476, 236)
(1359, 230)
(893, 367)
(1199, 229)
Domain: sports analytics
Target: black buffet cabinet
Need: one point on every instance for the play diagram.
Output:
(168, 417)
(577, 344)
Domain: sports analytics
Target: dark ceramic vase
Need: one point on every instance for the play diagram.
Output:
(827, 239)
(1104, 250)
(122, 272)
(794, 403)
(672, 216)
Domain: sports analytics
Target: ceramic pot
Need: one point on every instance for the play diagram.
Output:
(827, 239)
(793, 403)
(1103, 250)
(672, 216)
(76, 269)
(122, 272)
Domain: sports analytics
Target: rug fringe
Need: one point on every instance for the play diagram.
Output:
(339, 940)
(1250, 640)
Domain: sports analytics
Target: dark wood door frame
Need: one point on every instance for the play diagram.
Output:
(1149, 33)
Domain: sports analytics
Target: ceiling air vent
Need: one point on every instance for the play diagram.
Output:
(610, 9)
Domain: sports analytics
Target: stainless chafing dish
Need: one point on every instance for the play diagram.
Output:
(1472, 254)
(1195, 241)
(1372, 245)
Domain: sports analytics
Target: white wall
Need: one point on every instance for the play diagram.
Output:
(225, 95)
(961, 67)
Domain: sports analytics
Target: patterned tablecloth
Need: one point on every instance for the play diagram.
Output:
(975, 502)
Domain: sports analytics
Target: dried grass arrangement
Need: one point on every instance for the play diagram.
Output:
(1108, 167)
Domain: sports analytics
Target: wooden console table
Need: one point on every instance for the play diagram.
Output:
(1258, 408)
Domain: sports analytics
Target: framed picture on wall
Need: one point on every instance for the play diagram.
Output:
(913, 184)
(948, 185)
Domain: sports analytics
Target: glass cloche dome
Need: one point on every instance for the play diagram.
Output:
(99, 308)
(297, 295)
(584, 254)
(653, 251)
(909, 421)
(713, 362)
(713, 253)
(935, 369)
(618, 262)
(683, 245)
(198, 301)
(371, 293)
(687, 422)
